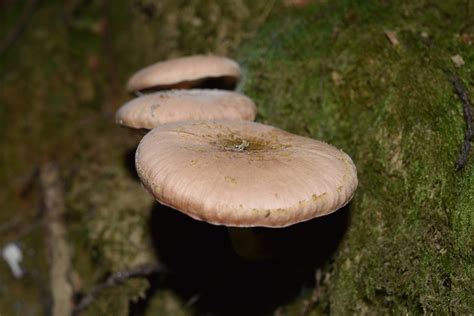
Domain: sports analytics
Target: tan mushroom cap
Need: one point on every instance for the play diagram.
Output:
(241, 173)
(151, 110)
(185, 72)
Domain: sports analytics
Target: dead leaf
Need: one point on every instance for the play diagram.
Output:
(392, 37)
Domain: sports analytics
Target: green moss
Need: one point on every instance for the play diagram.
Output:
(331, 73)
(327, 71)
(165, 302)
(117, 299)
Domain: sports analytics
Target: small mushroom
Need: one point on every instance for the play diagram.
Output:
(151, 110)
(244, 174)
(198, 71)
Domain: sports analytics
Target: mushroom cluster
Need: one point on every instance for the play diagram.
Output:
(183, 90)
(206, 158)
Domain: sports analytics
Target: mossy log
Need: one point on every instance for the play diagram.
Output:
(371, 77)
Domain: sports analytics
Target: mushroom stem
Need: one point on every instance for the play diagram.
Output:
(249, 243)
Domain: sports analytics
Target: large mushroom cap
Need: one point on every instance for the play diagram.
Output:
(151, 110)
(186, 72)
(241, 173)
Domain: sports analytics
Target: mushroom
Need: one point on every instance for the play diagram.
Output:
(244, 174)
(203, 71)
(151, 110)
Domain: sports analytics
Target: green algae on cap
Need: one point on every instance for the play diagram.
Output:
(244, 174)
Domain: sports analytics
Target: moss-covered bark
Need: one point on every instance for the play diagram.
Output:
(332, 73)
(327, 71)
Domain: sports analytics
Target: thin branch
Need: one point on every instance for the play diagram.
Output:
(116, 279)
(463, 95)
(58, 248)
(19, 27)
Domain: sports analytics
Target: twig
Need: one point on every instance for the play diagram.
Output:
(19, 27)
(116, 279)
(59, 252)
(316, 293)
(463, 95)
(193, 300)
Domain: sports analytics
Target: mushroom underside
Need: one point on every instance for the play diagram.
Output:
(221, 83)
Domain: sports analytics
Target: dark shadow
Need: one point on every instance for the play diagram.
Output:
(206, 272)
(129, 163)
(221, 83)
